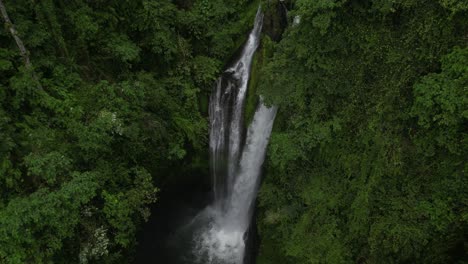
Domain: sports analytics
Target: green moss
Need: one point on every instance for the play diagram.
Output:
(263, 53)
(252, 98)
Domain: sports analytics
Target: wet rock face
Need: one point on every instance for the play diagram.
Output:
(275, 20)
(184, 4)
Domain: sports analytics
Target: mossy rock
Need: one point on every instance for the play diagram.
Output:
(264, 52)
(275, 20)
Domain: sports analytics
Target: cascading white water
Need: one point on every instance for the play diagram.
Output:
(226, 116)
(236, 161)
(247, 179)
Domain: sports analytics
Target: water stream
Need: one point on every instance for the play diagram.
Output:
(236, 157)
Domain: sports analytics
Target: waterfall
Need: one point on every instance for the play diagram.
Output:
(226, 116)
(236, 157)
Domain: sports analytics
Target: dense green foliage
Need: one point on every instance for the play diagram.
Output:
(367, 160)
(123, 108)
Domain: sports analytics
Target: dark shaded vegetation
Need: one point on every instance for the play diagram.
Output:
(120, 111)
(366, 163)
(367, 160)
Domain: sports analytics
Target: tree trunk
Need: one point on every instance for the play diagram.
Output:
(23, 51)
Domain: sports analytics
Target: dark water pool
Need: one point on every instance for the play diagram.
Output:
(158, 241)
(166, 239)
